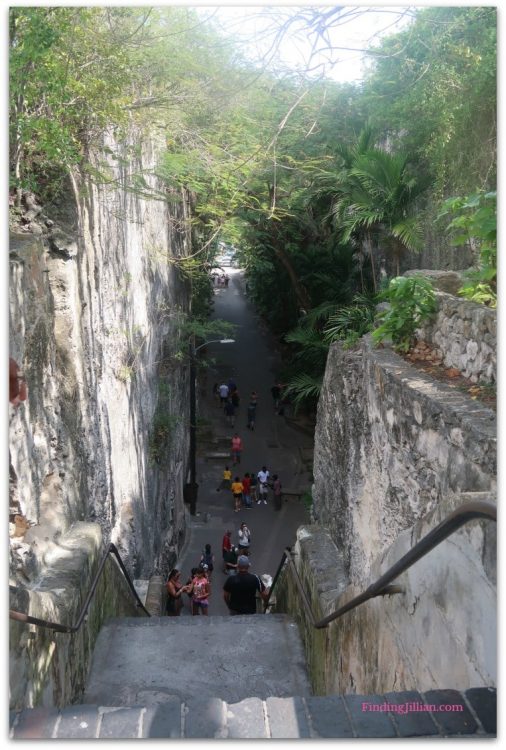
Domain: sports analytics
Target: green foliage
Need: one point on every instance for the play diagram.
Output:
(304, 389)
(164, 425)
(411, 302)
(373, 200)
(475, 222)
(432, 91)
(307, 500)
(350, 323)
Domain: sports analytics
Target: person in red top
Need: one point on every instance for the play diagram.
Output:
(226, 544)
(246, 490)
(226, 547)
(236, 449)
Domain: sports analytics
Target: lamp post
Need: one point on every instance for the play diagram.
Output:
(191, 489)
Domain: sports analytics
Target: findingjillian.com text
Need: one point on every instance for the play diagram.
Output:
(412, 707)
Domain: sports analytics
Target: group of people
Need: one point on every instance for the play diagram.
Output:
(221, 279)
(228, 396)
(240, 588)
(252, 488)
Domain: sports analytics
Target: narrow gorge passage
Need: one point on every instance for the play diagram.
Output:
(252, 361)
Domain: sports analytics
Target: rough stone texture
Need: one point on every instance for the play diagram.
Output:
(466, 335)
(296, 717)
(445, 281)
(390, 444)
(51, 668)
(95, 314)
(395, 453)
(231, 658)
(441, 629)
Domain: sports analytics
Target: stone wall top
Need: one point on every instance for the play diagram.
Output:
(464, 332)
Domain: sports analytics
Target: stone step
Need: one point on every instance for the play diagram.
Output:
(224, 657)
(300, 717)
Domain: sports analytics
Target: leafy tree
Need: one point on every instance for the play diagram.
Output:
(475, 222)
(411, 301)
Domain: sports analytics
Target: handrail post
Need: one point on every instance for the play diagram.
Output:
(383, 585)
(111, 549)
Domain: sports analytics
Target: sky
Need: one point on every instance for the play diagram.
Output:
(339, 56)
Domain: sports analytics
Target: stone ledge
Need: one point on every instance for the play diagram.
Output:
(315, 717)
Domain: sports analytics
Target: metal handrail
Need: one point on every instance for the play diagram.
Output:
(382, 587)
(111, 549)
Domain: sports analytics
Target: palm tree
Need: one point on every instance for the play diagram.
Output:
(374, 199)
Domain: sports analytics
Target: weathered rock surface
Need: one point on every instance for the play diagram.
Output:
(395, 452)
(390, 443)
(95, 314)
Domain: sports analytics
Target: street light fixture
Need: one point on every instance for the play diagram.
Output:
(191, 489)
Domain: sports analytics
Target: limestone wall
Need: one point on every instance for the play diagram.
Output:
(390, 444)
(49, 668)
(394, 451)
(440, 633)
(95, 313)
(466, 335)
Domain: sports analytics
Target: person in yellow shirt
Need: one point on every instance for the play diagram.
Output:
(237, 490)
(226, 481)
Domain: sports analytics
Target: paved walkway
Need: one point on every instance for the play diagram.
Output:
(253, 363)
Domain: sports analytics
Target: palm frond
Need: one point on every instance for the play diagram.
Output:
(304, 388)
(410, 233)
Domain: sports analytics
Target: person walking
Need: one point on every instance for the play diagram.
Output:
(236, 449)
(229, 410)
(200, 592)
(237, 490)
(246, 490)
(226, 481)
(263, 485)
(244, 536)
(235, 398)
(277, 489)
(276, 395)
(223, 391)
(240, 590)
(253, 487)
(252, 411)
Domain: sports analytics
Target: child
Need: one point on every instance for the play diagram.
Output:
(200, 592)
(208, 559)
(226, 481)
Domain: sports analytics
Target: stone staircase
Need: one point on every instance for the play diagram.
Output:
(235, 677)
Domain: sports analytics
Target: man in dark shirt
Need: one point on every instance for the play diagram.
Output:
(240, 590)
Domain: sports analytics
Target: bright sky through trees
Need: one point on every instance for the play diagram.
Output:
(320, 41)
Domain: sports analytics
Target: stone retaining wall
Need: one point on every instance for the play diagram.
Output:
(441, 632)
(466, 335)
(390, 444)
(49, 668)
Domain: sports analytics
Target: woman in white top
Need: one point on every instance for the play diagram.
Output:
(244, 535)
(263, 480)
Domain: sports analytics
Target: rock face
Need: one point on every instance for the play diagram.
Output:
(395, 452)
(95, 317)
(390, 443)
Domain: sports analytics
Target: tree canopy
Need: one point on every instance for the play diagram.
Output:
(322, 185)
